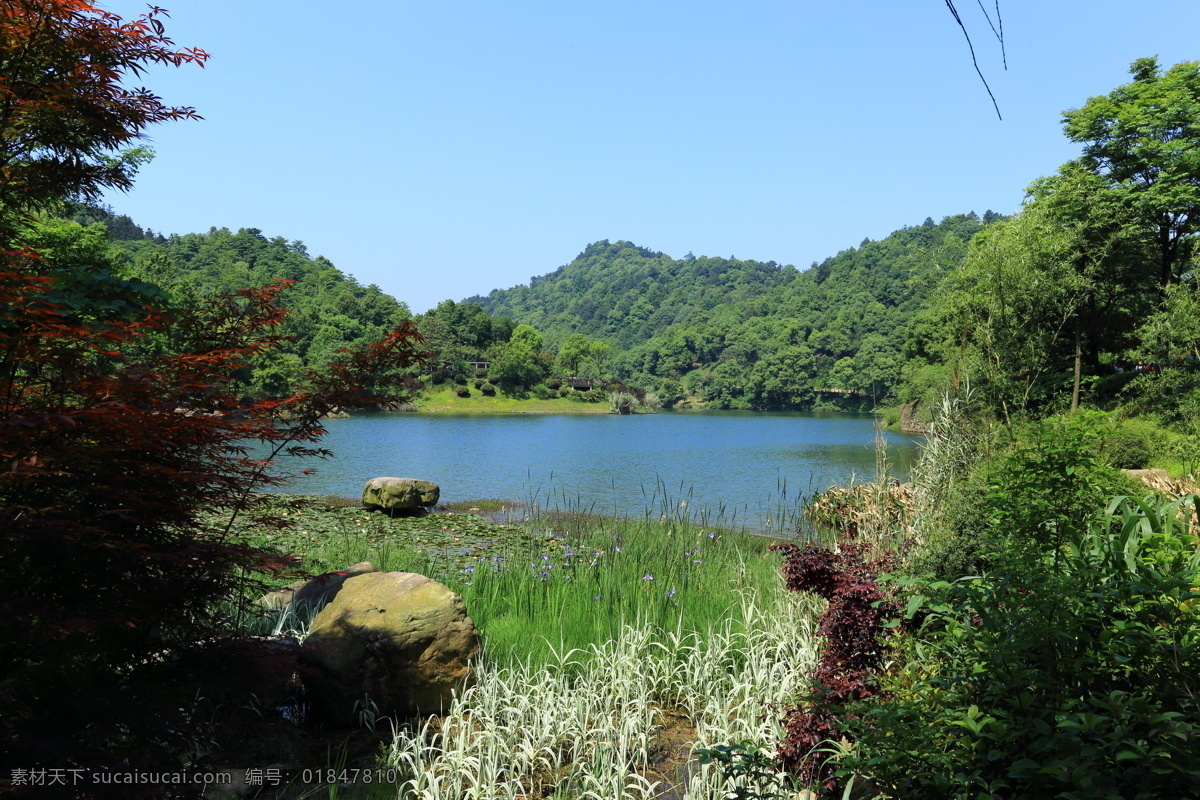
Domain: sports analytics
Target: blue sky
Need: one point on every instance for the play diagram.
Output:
(444, 149)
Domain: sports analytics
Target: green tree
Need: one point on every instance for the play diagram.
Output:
(1011, 308)
(1142, 139)
(575, 350)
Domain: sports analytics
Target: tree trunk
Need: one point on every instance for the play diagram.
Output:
(1078, 368)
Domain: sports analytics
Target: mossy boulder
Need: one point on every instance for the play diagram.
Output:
(316, 592)
(399, 640)
(399, 494)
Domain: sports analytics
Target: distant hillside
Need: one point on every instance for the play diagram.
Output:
(330, 309)
(747, 334)
(626, 294)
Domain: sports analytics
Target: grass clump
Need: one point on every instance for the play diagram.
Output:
(623, 718)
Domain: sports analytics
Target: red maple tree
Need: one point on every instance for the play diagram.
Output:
(119, 435)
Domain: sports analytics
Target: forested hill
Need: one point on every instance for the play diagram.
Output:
(625, 294)
(329, 309)
(747, 334)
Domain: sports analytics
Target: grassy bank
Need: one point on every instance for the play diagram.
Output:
(613, 649)
(559, 581)
(443, 400)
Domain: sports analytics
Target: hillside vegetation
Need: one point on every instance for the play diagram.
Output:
(744, 334)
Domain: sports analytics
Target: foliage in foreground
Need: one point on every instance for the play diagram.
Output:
(1075, 677)
(112, 461)
(1067, 669)
(618, 719)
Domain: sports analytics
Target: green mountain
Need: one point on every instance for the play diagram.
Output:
(329, 309)
(748, 334)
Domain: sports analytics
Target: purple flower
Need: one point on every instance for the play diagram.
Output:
(616, 549)
(469, 570)
(595, 598)
(712, 536)
(670, 594)
(647, 577)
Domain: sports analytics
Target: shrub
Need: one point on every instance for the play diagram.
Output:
(488, 389)
(852, 628)
(554, 384)
(460, 379)
(540, 391)
(1067, 673)
(478, 383)
(1132, 445)
(463, 391)
(621, 403)
(481, 372)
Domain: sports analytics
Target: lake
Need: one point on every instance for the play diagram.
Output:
(739, 468)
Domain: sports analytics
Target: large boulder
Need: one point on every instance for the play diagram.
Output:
(399, 494)
(315, 592)
(399, 639)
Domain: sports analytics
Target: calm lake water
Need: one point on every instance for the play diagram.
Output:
(740, 468)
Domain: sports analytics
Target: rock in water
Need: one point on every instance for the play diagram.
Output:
(398, 638)
(399, 494)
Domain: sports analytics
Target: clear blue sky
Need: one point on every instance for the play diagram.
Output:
(444, 149)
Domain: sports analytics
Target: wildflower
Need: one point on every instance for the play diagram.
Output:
(595, 598)
(647, 577)
(670, 594)
(616, 549)
(469, 570)
(712, 535)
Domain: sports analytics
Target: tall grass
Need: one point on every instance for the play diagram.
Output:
(562, 580)
(583, 585)
(590, 723)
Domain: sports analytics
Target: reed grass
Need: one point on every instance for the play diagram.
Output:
(590, 723)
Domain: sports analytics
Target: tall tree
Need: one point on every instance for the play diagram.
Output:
(1143, 139)
(112, 615)
(65, 113)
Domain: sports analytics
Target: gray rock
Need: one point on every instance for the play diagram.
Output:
(398, 638)
(399, 494)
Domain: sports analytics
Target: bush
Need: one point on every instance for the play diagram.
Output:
(554, 384)
(481, 373)
(1070, 669)
(540, 391)
(488, 389)
(1132, 445)
(1069, 674)
(621, 403)
(463, 391)
(460, 379)
(478, 383)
